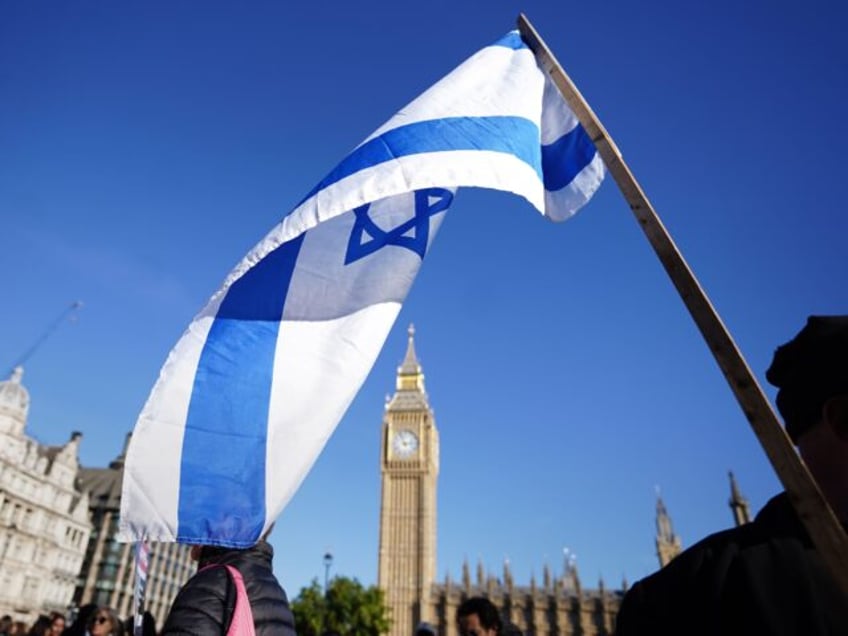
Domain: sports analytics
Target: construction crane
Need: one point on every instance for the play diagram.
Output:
(68, 314)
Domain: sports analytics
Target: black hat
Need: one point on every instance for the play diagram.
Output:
(808, 370)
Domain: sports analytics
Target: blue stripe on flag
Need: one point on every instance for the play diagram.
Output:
(514, 135)
(566, 157)
(222, 472)
(511, 40)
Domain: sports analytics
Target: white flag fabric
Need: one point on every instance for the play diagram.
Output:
(250, 394)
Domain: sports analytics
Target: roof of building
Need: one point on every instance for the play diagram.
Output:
(13, 395)
(103, 486)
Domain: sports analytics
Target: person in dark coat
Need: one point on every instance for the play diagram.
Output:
(205, 604)
(148, 625)
(765, 577)
(41, 626)
(77, 628)
(511, 629)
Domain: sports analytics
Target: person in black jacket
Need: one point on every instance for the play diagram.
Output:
(766, 577)
(205, 604)
(148, 625)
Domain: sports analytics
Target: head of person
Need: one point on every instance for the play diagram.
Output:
(57, 623)
(41, 626)
(478, 616)
(425, 629)
(78, 625)
(19, 628)
(200, 553)
(104, 622)
(811, 375)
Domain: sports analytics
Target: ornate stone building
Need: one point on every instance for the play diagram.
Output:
(107, 576)
(409, 458)
(58, 524)
(556, 606)
(44, 525)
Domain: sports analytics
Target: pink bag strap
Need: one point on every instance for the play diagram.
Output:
(241, 623)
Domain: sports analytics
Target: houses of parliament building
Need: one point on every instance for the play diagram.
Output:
(58, 523)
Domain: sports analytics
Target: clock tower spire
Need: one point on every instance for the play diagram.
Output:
(409, 462)
(410, 377)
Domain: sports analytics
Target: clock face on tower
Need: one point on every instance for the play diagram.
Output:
(404, 443)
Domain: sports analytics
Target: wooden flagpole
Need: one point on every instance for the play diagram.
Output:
(824, 529)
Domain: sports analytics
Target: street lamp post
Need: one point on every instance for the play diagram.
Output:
(328, 561)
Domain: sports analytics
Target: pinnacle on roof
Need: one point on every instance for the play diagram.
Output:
(735, 495)
(664, 528)
(13, 395)
(738, 503)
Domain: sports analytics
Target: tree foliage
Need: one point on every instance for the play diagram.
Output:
(349, 609)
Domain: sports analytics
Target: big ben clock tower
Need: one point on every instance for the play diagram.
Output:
(410, 466)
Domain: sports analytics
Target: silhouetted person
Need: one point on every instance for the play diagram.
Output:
(765, 577)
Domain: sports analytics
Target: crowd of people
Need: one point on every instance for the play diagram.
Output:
(89, 620)
(476, 616)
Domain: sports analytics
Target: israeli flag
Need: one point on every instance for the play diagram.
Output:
(258, 382)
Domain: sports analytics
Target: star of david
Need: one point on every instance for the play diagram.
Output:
(366, 237)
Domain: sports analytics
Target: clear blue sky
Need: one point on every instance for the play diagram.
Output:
(144, 148)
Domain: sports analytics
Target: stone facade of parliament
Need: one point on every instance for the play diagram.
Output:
(557, 605)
